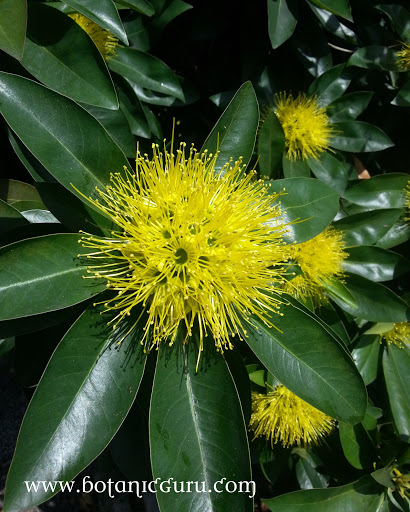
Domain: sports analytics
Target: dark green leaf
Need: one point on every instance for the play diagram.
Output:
(10, 218)
(331, 23)
(133, 110)
(295, 169)
(13, 19)
(367, 228)
(6, 345)
(349, 106)
(196, 419)
(146, 71)
(102, 12)
(402, 99)
(309, 203)
(372, 415)
(313, 52)
(396, 368)
(356, 444)
(81, 401)
(400, 18)
(40, 216)
(366, 357)
(338, 7)
(383, 191)
(235, 131)
(332, 171)
(271, 144)
(142, 6)
(375, 302)
(396, 235)
(374, 57)
(308, 477)
(282, 19)
(330, 85)
(383, 477)
(64, 58)
(361, 496)
(12, 191)
(310, 361)
(137, 33)
(334, 288)
(375, 263)
(66, 139)
(46, 268)
(172, 10)
(328, 314)
(358, 137)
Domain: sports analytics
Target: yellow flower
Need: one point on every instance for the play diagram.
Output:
(192, 245)
(306, 126)
(320, 260)
(281, 416)
(401, 482)
(403, 57)
(399, 335)
(103, 39)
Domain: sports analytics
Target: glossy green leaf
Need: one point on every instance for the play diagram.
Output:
(81, 401)
(46, 268)
(23, 206)
(10, 218)
(132, 108)
(173, 9)
(307, 475)
(375, 263)
(6, 345)
(402, 99)
(379, 328)
(66, 139)
(40, 216)
(357, 445)
(13, 191)
(372, 415)
(234, 133)
(399, 17)
(338, 7)
(102, 12)
(282, 20)
(311, 361)
(328, 314)
(309, 203)
(396, 235)
(335, 288)
(374, 57)
(331, 23)
(375, 302)
(396, 368)
(383, 476)
(145, 70)
(196, 420)
(64, 58)
(13, 19)
(366, 357)
(271, 144)
(330, 85)
(295, 169)
(383, 191)
(142, 6)
(367, 228)
(349, 106)
(359, 137)
(361, 496)
(331, 170)
(313, 51)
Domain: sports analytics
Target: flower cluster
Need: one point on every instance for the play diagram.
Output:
(103, 39)
(399, 335)
(192, 245)
(403, 57)
(281, 416)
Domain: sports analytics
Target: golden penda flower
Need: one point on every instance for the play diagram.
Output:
(403, 57)
(103, 39)
(399, 335)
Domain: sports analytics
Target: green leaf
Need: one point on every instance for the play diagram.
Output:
(81, 401)
(66, 139)
(309, 203)
(171, 11)
(142, 6)
(196, 419)
(330, 85)
(6, 345)
(146, 71)
(359, 137)
(234, 133)
(375, 302)
(363, 495)
(400, 19)
(46, 268)
(10, 218)
(383, 191)
(313, 52)
(331, 23)
(307, 475)
(396, 235)
(102, 12)
(13, 19)
(335, 288)
(367, 228)
(349, 106)
(402, 99)
(396, 368)
(379, 328)
(375, 57)
(366, 356)
(338, 7)
(282, 20)
(13, 191)
(357, 445)
(271, 144)
(132, 108)
(311, 361)
(295, 169)
(64, 58)
(375, 263)
(331, 170)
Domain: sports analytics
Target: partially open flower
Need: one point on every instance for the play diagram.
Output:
(192, 245)
(103, 39)
(399, 335)
(306, 125)
(282, 417)
(403, 57)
